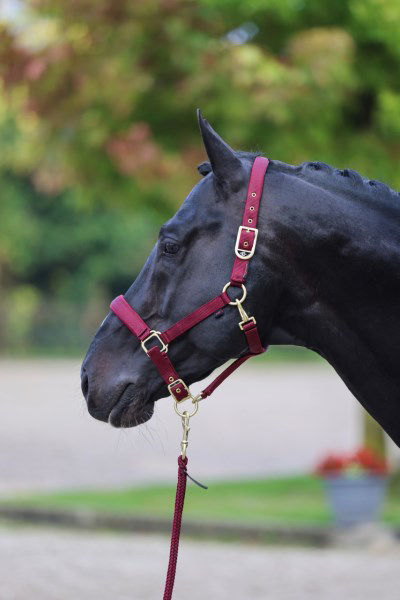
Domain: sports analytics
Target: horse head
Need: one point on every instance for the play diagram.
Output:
(190, 263)
(324, 276)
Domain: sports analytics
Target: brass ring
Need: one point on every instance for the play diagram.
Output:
(237, 301)
(182, 414)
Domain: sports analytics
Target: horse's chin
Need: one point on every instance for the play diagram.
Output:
(130, 410)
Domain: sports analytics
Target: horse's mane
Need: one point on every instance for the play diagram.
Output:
(346, 179)
(349, 179)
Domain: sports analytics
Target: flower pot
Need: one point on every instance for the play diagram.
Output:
(355, 500)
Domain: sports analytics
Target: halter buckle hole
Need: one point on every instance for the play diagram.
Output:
(241, 250)
(183, 388)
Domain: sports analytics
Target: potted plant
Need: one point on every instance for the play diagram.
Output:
(355, 485)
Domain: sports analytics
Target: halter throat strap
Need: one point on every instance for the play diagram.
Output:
(155, 343)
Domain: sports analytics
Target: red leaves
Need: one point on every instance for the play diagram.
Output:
(363, 461)
(134, 150)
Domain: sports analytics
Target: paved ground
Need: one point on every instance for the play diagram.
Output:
(278, 420)
(63, 565)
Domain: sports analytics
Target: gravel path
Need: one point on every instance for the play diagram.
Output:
(263, 420)
(50, 565)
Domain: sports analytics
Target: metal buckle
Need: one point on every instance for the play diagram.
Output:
(183, 384)
(245, 254)
(248, 320)
(156, 334)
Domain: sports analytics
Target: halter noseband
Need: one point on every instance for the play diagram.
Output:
(244, 249)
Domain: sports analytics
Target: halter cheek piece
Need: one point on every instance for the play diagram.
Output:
(244, 249)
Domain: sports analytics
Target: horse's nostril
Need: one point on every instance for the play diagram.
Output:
(84, 384)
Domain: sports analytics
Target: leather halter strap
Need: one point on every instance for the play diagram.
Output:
(204, 311)
(247, 235)
(244, 250)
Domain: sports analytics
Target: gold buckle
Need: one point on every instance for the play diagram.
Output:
(248, 320)
(245, 254)
(156, 334)
(183, 384)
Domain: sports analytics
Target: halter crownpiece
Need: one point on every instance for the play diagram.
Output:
(245, 246)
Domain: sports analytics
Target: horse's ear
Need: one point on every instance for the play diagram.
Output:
(225, 163)
(204, 169)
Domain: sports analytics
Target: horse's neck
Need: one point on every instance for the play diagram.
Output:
(340, 262)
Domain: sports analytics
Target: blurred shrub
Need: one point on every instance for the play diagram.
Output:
(60, 261)
(21, 305)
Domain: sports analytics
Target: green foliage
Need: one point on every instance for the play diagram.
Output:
(98, 135)
(61, 260)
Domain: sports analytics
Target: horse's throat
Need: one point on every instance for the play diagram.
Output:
(358, 339)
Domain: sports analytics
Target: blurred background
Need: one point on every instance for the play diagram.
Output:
(99, 142)
(98, 147)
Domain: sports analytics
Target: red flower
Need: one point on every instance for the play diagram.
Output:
(370, 462)
(331, 465)
(363, 460)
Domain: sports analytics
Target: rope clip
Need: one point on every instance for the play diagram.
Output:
(185, 437)
(243, 315)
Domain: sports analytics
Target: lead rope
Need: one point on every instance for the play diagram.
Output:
(183, 460)
(176, 527)
(179, 498)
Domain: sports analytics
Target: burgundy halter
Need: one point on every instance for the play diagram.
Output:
(244, 249)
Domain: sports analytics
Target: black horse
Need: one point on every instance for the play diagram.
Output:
(325, 275)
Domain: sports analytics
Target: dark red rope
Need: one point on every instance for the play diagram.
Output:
(176, 527)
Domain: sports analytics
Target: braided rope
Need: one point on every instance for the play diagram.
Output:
(176, 527)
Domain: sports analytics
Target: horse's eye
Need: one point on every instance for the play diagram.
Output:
(171, 248)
